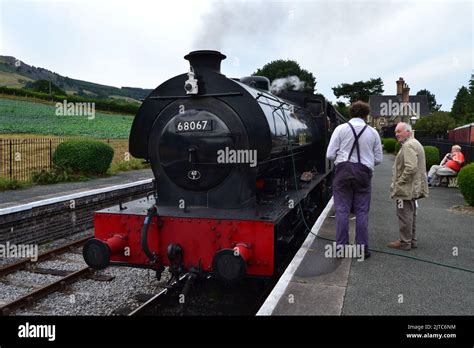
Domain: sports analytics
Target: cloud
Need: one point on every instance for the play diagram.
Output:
(343, 41)
(143, 43)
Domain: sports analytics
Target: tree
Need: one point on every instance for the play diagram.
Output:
(44, 86)
(343, 109)
(461, 103)
(470, 105)
(431, 100)
(284, 68)
(471, 85)
(360, 90)
(437, 123)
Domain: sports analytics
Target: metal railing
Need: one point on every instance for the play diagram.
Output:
(444, 146)
(21, 157)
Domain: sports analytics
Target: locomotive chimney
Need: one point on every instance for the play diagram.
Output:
(205, 60)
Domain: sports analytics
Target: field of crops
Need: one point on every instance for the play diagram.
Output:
(27, 117)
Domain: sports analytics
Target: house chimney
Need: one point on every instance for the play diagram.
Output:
(405, 93)
(400, 84)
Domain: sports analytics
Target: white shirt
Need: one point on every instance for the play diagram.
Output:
(342, 140)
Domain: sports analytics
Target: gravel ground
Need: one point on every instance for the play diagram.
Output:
(91, 297)
(27, 278)
(10, 292)
(62, 264)
(84, 297)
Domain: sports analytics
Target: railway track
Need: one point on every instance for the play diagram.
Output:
(206, 297)
(55, 218)
(22, 264)
(67, 277)
(169, 291)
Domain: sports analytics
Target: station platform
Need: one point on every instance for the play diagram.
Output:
(437, 278)
(13, 198)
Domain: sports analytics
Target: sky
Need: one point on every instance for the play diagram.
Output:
(142, 43)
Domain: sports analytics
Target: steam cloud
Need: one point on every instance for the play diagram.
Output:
(289, 83)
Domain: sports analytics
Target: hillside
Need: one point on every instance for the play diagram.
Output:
(17, 116)
(15, 73)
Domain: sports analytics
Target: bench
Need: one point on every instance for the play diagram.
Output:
(448, 180)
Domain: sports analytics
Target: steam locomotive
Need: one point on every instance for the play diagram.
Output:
(239, 175)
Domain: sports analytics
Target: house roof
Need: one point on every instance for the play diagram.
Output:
(384, 103)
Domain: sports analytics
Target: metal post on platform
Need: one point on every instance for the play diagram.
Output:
(50, 154)
(11, 160)
(413, 120)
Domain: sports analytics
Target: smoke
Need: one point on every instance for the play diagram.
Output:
(228, 23)
(269, 24)
(289, 83)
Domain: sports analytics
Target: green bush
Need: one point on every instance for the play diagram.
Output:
(124, 166)
(432, 156)
(437, 123)
(45, 177)
(389, 145)
(56, 175)
(12, 184)
(83, 156)
(466, 183)
(397, 147)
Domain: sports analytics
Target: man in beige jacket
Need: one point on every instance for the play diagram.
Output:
(409, 183)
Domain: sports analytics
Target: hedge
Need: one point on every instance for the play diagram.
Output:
(432, 156)
(100, 104)
(389, 145)
(397, 147)
(83, 156)
(466, 183)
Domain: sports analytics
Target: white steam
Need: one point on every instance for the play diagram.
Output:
(289, 83)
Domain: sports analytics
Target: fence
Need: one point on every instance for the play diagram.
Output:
(20, 158)
(444, 146)
(440, 141)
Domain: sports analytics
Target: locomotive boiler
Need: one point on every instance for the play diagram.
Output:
(239, 174)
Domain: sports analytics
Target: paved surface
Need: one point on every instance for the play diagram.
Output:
(35, 193)
(388, 284)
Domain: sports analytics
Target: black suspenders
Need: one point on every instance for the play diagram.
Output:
(356, 142)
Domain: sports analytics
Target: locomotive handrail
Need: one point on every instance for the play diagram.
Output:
(280, 101)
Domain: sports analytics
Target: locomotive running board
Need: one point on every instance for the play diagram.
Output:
(272, 211)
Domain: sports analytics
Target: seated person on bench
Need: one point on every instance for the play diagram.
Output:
(449, 166)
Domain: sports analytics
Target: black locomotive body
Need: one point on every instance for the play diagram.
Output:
(237, 117)
(227, 154)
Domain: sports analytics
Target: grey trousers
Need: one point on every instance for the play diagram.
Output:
(406, 213)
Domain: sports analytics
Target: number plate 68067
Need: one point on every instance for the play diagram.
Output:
(193, 126)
